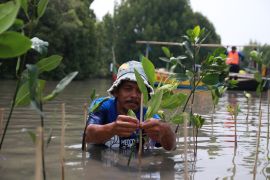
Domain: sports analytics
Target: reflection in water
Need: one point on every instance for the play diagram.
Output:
(216, 156)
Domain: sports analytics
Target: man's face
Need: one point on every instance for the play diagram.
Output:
(128, 96)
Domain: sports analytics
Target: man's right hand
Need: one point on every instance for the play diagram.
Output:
(124, 126)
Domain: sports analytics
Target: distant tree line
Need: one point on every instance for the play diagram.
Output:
(87, 44)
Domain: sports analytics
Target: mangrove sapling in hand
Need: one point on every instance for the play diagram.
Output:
(157, 98)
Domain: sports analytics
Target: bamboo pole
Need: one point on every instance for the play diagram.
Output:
(39, 140)
(85, 113)
(185, 149)
(62, 149)
(268, 115)
(140, 131)
(235, 124)
(198, 45)
(257, 145)
(1, 120)
(85, 119)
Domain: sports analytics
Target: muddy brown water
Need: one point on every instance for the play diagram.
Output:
(217, 156)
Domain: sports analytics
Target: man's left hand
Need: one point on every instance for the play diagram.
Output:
(152, 128)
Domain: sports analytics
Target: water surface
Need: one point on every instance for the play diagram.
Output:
(217, 156)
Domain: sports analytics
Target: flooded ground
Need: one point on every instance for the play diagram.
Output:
(217, 156)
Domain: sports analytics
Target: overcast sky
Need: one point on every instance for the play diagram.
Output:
(236, 21)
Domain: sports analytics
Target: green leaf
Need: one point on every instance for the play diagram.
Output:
(177, 119)
(49, 137)
(258, 77)
(23, 95)
(211, 79)
(33, 78)
(166, 51)
(13, 44)
(247, 95)
(93, 94)
(131, 114)
(48, 64)
(24, 4)
(164, 59)
(196, 31)
(18, 65)
(18, 25)
(197, 121)
(173, 101)
(61, 86)
(97, 105)
(141, 86)
(32, 135)
(42, 5)
(149, 70)
(154, 104)
(8, 14)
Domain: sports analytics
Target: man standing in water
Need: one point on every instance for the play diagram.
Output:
(111, 118)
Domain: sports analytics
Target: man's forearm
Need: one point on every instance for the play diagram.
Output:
(168, 138)
(99, 133)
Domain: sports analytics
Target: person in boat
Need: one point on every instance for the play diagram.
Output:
(233, 59)
(110, 124)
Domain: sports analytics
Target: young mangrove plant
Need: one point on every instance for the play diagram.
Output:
(216, 93)
(248, 97)
(234, 109)
(162, 98)
(262, 62)
(29, 88)
(213, 70)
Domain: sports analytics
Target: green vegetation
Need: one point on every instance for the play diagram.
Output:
(30, 85)
(87, 45)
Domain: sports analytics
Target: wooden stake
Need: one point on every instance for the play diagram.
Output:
(257, 145)
(1, 120)
(84, 113)
(235, 126)
(39, 140)
(85, 119)
(140, 131)
(62, 151)
(268, 113)
(185, 148)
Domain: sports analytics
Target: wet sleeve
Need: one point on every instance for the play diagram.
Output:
(96, 118)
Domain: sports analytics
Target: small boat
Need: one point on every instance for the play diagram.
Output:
(162, 76)
(246, 82)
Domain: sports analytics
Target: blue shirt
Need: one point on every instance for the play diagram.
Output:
(107, 113)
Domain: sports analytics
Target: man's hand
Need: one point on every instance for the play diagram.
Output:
(124, 126)
(159, 132)
(152, 128)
